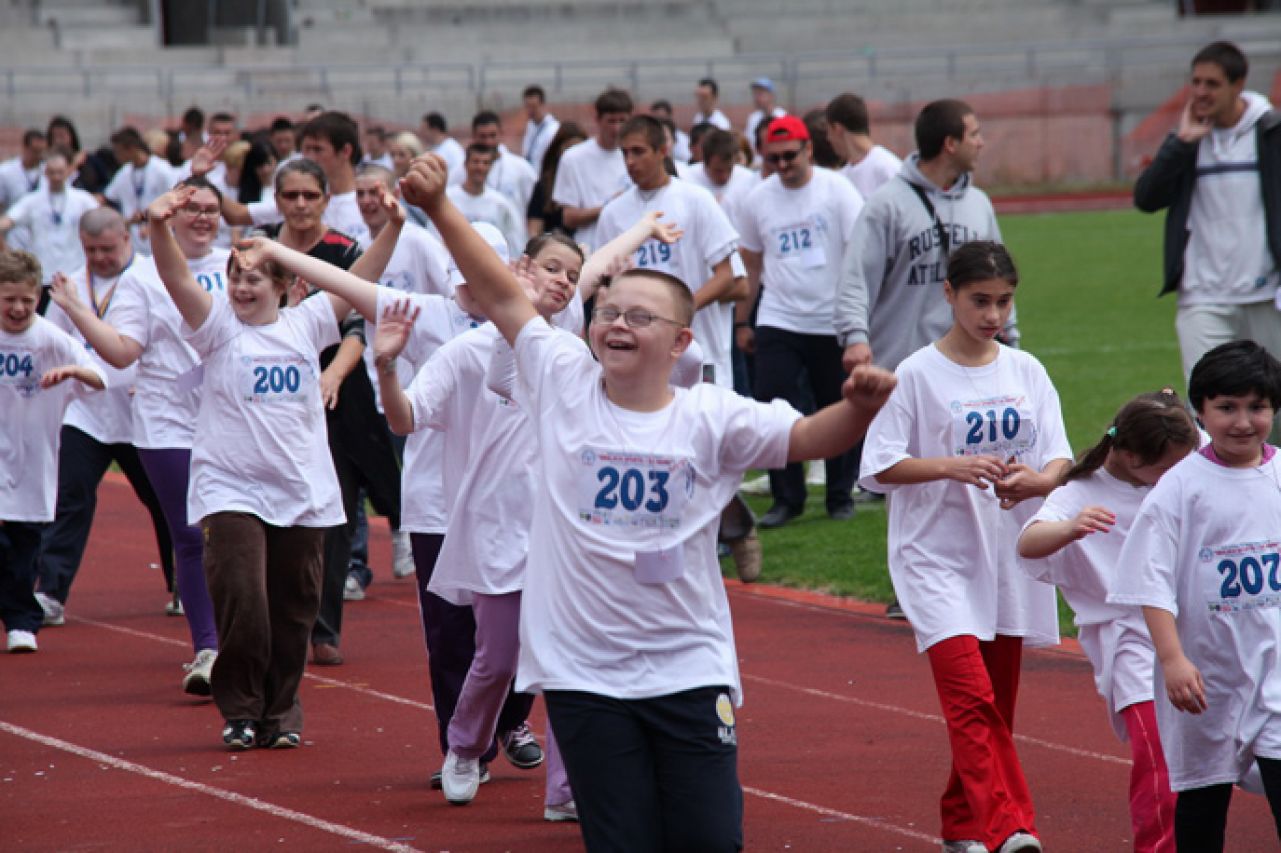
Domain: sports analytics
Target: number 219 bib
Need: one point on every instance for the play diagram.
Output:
(633, 490)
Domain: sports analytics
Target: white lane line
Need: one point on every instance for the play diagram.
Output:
(114, 763)
(329, 682)
(874, 822)
(933, 718)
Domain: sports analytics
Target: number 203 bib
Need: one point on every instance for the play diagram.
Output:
(632, 490)
(1001, 426)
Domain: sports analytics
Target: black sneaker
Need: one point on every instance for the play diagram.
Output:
(435, 783)
(239, 734)
(778, 515)
(282, 740)
(841, 513)
(521, 749)
(894, 610)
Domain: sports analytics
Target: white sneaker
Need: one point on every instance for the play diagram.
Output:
(351, 588)
(1021, 842)
(759, 486)
(54, 612)
(199, 678)
(402, 554)
(561, 813)
(816, 474)
(21, 642)
(174, 606)
(964, 847)
(459, 778)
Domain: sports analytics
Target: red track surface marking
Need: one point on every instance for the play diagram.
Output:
(842, 747)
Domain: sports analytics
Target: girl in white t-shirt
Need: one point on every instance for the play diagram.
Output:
(262, 482)
(625, 627)
(969, 442)
(1074, 542)
(1203, 559)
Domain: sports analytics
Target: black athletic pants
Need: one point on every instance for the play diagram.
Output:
(1201, 814)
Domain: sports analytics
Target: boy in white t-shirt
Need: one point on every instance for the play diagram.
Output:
(35, 358)
(593, 172)
(625, 626)
(1203, 559)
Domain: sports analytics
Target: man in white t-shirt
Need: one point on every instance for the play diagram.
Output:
(21, 175)
(434, 133)
(727, 181)
(867, 165)
(510, 175)
(480, 202)
(794, 228)
(332, 141)
(540, 130)
(763, 98)
(1216, 177)
(141, 179)
(376, 147)
(593, 172)
(51, 216)
(706, 94)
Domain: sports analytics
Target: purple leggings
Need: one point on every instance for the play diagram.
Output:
(168, 471)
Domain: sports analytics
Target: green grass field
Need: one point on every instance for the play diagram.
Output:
(1088, 310)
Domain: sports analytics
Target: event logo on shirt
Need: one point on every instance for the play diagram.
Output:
(1001, 426)
(18, 371)
(631, 489)
(1241, 577)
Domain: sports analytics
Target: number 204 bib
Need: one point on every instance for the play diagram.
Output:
(1242, 576)
(1000, 426)
(631, 490)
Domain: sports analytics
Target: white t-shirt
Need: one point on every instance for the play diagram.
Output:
(538, 137)
(423, 507)
(742, 180)
(106, 417)
(1007, 409)
(589, 176)
(53, 223)
(510, 175)
(614, 487)
(133, 189)
(709, 239)
(17, 180)
(341, 214)
(419, 264)
(493, 207)
(716, 119)
(166, 389)
(260, 445)
(801, 235)
(870, 173)
(33, 417)
(453, 153)
(1205, 547)
(1114, 636)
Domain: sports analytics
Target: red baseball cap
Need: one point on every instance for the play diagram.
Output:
(787, 129)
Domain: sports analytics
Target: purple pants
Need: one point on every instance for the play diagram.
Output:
(168, 471)
(475, 721)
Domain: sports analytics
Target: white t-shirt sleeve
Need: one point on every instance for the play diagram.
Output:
(1053, 440)
(756, 435)
(1150, 559)
(131, 309)
(568, 189)
(265, 212)
(1056, 507)
(546, 362)
(888, 440)
(749, 233)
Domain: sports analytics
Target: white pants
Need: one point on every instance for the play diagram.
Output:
(1201, 328)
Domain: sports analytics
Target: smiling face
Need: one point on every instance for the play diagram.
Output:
(555, 273)
(790, 160)
(254, 295)
(301, 201)
(627, 353)
(18, 301)
(1238, 425)
(196, 225)
(980, 309)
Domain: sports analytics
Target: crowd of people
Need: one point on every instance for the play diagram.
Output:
(550, 371)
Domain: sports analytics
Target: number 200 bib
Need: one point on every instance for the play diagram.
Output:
(627, 489)
(277, 379)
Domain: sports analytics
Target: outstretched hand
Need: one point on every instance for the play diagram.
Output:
(1092, 519)
(163, 208)
(206, 156)
(868, 387)
(663, 232)
(65, 294)
(523, 269)
(251, 252)
(389, 202)
(425, 183)
(394, 327)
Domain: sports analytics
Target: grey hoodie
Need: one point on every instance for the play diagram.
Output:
(891, 290)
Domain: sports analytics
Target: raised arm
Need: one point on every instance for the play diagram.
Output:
(192, 300)
(344, 289)
(373, 262)
(607, 258)
(836, 428)
(115, 349)
(389, 341)
(489, 280)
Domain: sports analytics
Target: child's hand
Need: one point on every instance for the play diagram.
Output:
(56, 375)
(251, 252)
(206, 156)
(1184, 686)
(1092, 519)
(663, 232)
(330, 383)
(523, 269)
(975, 470)
(393, 330)
(868, 387)
(1020, 483)
(65, 294)
(163, 208)
(424, 185)
(387, 199)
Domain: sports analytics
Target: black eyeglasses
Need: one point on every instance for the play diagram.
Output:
(293, 195)
(783, 157)
(635, 318)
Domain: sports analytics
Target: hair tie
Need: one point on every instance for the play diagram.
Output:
(1111, 433)
(1168, 391)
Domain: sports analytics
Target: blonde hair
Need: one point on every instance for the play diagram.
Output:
(409, 139)
(19, 267)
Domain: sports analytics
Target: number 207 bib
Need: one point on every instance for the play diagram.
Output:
(276, 378)
(633, 490)
(1242, 576)
(997, 426)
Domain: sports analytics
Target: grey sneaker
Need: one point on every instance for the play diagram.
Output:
(521, 748)
(54, 611)
(351, 588)
(561, 813)
(459, 778)
(199, 678)
(402, 554)
(1021, 842)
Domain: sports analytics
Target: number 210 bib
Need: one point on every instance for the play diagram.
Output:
(1000, 426)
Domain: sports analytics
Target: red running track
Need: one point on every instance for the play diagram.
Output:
(841, 745)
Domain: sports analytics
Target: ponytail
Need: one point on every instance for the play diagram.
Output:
(1147, 426)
